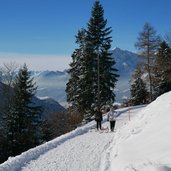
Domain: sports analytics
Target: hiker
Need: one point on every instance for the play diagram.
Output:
(111, 116)
(98, 118)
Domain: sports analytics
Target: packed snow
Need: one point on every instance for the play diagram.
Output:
(141, 142)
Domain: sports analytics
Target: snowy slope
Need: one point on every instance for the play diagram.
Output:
(144, 144)
(141, 143)
(78, 150)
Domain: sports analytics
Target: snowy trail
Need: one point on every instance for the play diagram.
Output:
(80, 153)
(111, 152)
(141, 142)
(87, 152)
(79, 150)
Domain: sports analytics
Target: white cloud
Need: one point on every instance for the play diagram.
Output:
(37, 62)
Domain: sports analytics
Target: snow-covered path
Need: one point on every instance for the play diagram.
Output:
(80, 149)
(79, 153)
(89, 151)
(141, 143)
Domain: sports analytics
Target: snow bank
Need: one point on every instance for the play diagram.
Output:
(144, 143)
(16, 163)
(141, 144)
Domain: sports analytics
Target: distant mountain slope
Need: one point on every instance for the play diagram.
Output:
(53, 83)
(49, 105)
(126, 63)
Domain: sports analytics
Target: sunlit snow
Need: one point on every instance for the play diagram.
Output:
(141, 142)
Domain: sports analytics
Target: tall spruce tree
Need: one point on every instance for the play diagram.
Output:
(23, 118)
(162, 74)
(147, 43)
(103, 72)
(96, 79)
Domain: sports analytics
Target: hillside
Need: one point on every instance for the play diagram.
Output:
(141, 143)
(49, 105)
(144, 143)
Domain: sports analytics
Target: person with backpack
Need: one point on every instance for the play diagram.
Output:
(111, 117)
(98, 118)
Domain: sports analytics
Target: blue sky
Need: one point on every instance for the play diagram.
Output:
(48, 27)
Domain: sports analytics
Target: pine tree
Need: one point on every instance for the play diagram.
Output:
(103, 72)
(74, 86)
(162, 76)
(23, 119)
(139, 92)
(92, 70)
(148, 42)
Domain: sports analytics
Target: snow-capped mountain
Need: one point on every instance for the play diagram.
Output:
(53, 83)
(140, 142)
(126, 63)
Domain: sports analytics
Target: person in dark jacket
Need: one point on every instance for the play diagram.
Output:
(98, 118)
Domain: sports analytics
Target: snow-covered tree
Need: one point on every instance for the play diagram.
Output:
(8, 72)
(93, 76)
(162, 74)
(99, 43)
(23, 118)
(74, 88)
(139, 92)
